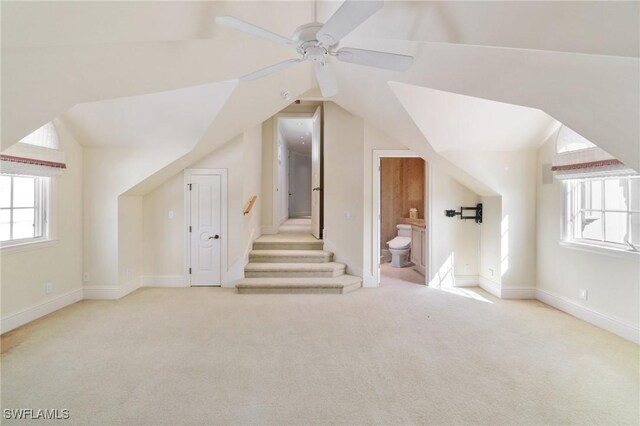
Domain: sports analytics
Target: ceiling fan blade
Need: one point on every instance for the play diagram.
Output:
(270, 70)
(373, 58)
(326, 80)
(351, 14)
(245, 27)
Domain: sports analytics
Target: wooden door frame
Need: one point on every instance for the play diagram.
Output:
(223, 221)
(375, 210)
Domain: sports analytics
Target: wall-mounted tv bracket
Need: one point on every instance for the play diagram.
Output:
(477, 213)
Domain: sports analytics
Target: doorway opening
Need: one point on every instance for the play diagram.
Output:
(401, 253)
(298, 173)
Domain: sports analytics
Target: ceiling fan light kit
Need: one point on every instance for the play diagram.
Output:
(316, 42)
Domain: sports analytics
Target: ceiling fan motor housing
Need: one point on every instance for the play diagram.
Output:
(307, 32)
(310, 47)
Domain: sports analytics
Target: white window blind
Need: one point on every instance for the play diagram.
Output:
(35, 155)
(577, 158)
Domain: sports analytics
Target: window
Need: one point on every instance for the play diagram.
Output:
(604, 212)
(23, 209)
(569, 141)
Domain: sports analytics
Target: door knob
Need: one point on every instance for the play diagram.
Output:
(317, 188)
(215, 237)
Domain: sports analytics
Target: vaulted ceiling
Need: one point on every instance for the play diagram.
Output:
(532, 62)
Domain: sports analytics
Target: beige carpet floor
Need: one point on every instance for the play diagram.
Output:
(401, 354)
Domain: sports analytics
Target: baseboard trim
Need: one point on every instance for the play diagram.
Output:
(518, 293)
(163, 281)
(111, 293)
(490, 286)
(467, 281)
(38, 310)
(621, 328)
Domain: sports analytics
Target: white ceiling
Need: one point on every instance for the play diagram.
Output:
(296, 132)
(458, 122)
(591, 27)
(574, 61)
(177, 117)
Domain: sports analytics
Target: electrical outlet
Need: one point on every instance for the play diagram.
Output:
(347, 215)
(584, 294)
(86, 277)
(170, 215)
(48, 288)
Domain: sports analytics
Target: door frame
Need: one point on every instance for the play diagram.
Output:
(275, 166)
(223, 219)
(375, 210)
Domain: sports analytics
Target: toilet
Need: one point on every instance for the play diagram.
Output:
(400, 246)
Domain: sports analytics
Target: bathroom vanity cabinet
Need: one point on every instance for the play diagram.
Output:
(419, 247)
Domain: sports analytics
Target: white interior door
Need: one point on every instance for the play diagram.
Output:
(316, 192)
(205, 230)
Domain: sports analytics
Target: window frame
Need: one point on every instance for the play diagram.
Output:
(42, 215)
(573, 210)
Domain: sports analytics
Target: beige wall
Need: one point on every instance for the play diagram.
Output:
(343, 185)
(130, 244)
(25, 273)
(110, 173)
(267, 175)
(455, 242)
(491, 239)
(512, 175)
(163, 238)
(613, 283)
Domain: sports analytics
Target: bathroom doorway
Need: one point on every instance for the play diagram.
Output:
(401, 238)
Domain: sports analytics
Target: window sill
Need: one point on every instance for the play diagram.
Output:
(607, 251)
(34, 245)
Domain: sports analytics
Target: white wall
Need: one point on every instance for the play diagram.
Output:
(25, 273)
(163, 238)
(343, 186)
(282, 163)
(491, 243)
(267, 178)
(613, 283)
(109, 173)
(455, 242)
(512, 175)
(299, 184)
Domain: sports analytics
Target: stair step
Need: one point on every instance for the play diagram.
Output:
(337, 285)
(294, 229)
(290, 256)
(288, 242)
(300, 270)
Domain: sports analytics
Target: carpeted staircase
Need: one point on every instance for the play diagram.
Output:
(294, 263)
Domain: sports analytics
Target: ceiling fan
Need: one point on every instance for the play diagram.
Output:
(315, 42)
